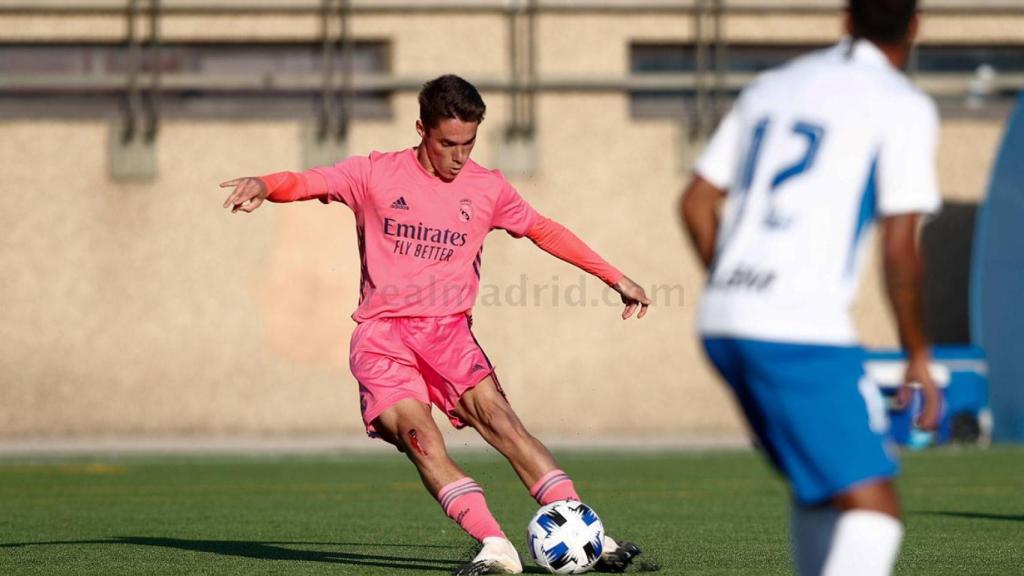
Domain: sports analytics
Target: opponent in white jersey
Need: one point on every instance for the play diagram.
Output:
(811, 154)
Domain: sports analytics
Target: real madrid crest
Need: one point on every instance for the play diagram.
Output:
(465, 210)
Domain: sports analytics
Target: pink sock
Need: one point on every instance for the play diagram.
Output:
(463, 501)
(552, 487)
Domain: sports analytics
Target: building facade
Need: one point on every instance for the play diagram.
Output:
(134, 305)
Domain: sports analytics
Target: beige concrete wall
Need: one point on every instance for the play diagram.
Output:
(145, 309)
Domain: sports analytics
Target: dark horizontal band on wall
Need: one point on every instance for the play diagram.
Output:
(952, 7)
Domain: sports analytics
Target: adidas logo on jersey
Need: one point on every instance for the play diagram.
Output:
(400, 204)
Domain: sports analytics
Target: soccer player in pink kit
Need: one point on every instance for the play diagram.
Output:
(422, 215)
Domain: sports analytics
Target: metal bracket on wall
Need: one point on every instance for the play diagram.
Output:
(516, 149)
(719, 93)
(711, 81)
(132, 141)
(712, 68)
(324, 141)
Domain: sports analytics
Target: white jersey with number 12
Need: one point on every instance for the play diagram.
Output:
(811, 154)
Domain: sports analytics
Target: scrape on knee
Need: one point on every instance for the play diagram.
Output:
(417, 445)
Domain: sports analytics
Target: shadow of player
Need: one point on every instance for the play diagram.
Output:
(272, 551)
(975, 515)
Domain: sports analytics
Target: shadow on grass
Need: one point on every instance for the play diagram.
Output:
(974, 515)
(273, 551)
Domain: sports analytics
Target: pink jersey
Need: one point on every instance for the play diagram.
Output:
(420, 238)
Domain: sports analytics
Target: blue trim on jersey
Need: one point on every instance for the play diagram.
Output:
(753, 155)
(866, 214)
(741, 192)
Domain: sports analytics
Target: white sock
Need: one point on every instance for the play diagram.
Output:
(811, 532)
(865, 543)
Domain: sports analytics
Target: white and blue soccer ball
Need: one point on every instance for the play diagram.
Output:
(565, 537)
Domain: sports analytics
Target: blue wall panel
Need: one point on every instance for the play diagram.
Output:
(997, 287)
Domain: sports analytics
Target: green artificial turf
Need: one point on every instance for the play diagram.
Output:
(699, 513)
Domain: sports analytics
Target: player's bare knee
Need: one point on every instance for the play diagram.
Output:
(386, 435)
(494, 418)
(422, 443)
(387, 431)
(503, 429)
(877, 496)
(394, 442)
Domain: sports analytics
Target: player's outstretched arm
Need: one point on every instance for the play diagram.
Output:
(246, 195)
(250, 192)
(903, 272)
(561, 243)
(698, 210)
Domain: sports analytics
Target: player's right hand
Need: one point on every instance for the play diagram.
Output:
(247, 195)
(918, 373)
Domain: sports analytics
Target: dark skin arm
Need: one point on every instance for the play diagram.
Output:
(698, 209)
(903, 273)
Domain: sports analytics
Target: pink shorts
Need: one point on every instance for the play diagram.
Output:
(433, 360)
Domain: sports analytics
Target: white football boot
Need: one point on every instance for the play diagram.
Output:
(498, 556)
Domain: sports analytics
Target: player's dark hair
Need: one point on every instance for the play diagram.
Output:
(882, 21)
(450, 96)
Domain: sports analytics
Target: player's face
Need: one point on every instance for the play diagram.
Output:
(448, 146)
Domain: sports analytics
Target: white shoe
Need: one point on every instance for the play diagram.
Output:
(498, 556)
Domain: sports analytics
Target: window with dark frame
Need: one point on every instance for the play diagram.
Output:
(681, 58)
(939, 59)
(197, 80)
(660, 59)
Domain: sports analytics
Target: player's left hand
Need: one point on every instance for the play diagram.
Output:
(632, 296)
(918, 373)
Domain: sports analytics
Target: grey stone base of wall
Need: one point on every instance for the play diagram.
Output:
(336, 444)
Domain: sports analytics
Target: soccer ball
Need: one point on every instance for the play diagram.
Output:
(565, 537)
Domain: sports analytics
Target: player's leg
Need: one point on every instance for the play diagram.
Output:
(811, 526)
(409, 425)
(819, 421)
(395, 405)
(811, 531)
(460, 379)
(867, 531)
(846, 468)
(487, 410)
(876, 496)
(835, 540)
